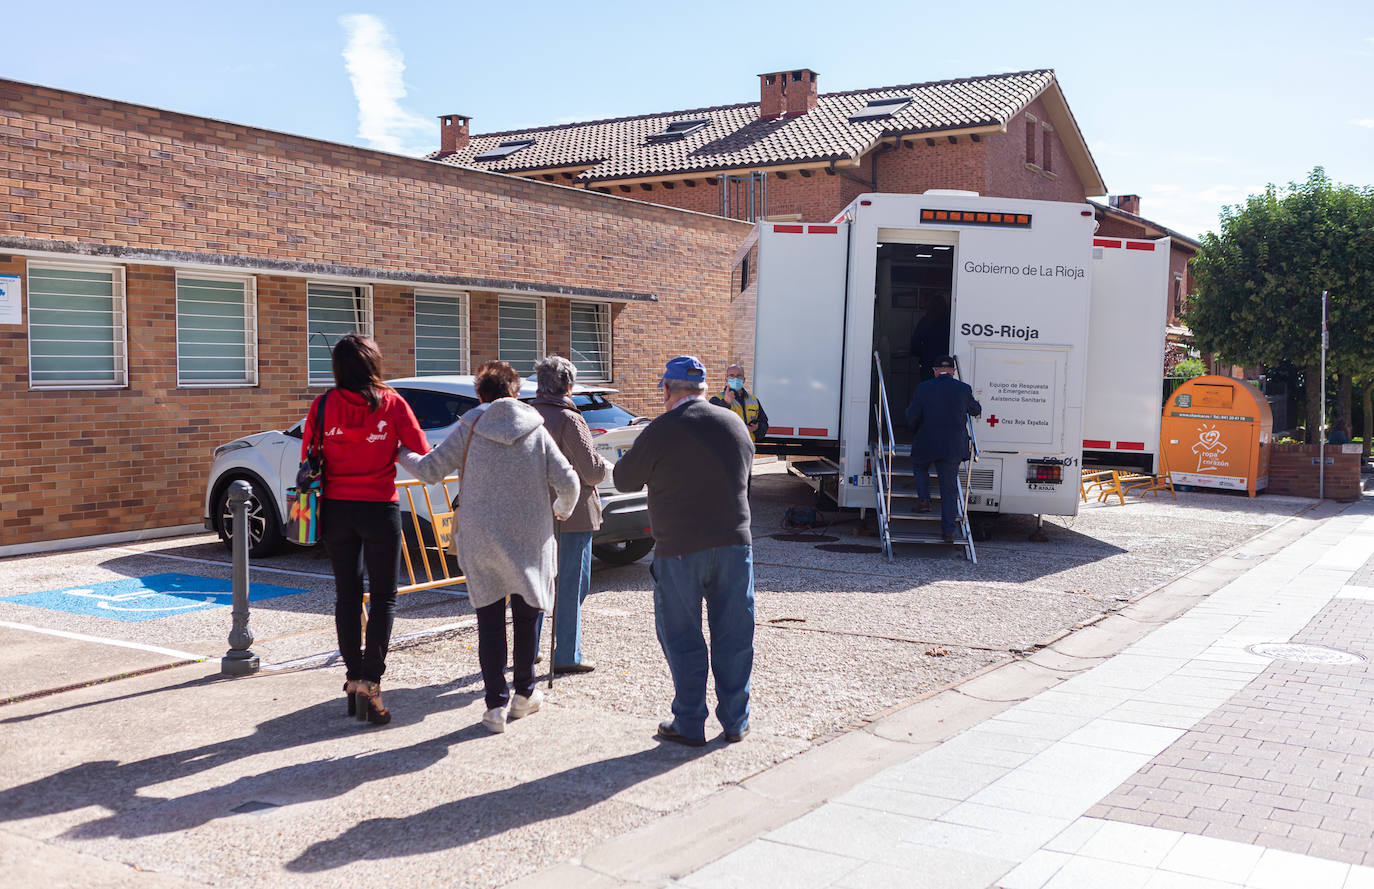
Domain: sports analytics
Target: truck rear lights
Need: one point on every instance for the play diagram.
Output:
(977, 217)
(1048, 471)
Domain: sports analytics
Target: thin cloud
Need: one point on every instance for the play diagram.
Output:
(1190, 210)
(376, 67)
(1366, 122)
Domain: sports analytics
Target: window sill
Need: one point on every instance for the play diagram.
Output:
(238, 385)
(77, 387)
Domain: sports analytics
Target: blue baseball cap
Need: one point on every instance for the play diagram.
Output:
(685, 368)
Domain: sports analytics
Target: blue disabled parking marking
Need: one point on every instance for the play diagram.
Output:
(146, 598)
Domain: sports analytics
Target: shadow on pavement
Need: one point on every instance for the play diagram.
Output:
(475, 818)
(199, 682)
(115, 785)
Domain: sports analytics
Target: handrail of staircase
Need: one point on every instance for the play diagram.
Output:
(882, 497)
(973, 458)
(885, 422)
(972, 435)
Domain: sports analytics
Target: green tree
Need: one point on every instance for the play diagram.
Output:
(1260, 279)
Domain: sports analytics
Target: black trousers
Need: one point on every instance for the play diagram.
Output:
(358, 532)
(491, 649)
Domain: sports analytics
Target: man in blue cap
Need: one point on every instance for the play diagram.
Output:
(695, 458)
(938, 415)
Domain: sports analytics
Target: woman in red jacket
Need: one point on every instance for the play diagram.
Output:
(365, 423)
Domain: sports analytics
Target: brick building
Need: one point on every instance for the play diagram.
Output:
(801, 154)
(173, 269)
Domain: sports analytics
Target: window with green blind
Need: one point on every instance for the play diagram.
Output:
(441, 333)
(332, 312)
(76, 327)
(217, 336)
(591, 341)
(520, 332)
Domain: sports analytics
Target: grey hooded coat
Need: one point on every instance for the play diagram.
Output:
(505, 527)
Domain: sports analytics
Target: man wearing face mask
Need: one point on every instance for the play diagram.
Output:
(746, 406)
(695, 459)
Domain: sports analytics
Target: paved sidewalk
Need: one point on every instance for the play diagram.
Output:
(1186, 760)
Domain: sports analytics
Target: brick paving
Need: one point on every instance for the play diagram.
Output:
(1287, 763)
(1365, 575)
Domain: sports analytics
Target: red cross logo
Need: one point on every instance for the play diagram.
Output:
(992, 421)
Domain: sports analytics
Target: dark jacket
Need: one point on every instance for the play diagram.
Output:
(696, 460)
(938, 414)
(564, 422)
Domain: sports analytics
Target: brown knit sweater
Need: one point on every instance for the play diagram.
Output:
(564, 422)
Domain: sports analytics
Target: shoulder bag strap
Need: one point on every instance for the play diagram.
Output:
(317, 445)
(463, 466)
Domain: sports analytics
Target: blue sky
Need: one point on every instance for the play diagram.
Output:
(1190, 105)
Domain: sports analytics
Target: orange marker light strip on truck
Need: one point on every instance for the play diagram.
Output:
(977, 217)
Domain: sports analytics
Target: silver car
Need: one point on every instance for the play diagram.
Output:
(268, 462)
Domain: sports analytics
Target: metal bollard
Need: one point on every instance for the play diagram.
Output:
(240, 659)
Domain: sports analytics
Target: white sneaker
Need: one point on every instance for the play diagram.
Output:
(523, 706)
(495, 720)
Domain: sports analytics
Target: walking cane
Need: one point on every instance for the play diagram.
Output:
(553, 613)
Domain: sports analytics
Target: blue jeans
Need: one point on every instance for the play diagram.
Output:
(948, 472)
(722, 577)
(574, 583)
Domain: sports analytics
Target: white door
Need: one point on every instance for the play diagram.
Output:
(1021, 391)
(799, 328)
(1121, 408)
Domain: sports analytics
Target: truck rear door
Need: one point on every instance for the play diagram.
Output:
(799, 331)
(1129, 308)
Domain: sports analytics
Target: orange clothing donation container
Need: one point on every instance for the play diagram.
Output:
(1216, 433)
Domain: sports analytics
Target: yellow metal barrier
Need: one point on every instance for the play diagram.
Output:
(443, 524)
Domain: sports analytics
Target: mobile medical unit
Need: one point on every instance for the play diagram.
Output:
(827, 312)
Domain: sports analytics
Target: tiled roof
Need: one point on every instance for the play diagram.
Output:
(735, 137)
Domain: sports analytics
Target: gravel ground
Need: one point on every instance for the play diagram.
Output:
(842, 637)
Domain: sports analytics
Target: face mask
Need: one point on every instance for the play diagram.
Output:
(735, 383)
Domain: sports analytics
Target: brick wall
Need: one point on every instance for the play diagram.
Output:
(1006, 169)
(1293, 471)
(85, 175)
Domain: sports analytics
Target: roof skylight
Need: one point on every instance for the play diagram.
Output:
(679, 129)
(505, 149)
(880, 108)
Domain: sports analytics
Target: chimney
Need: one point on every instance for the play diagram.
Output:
(1130, 203)
(787, 93)
(453, 134)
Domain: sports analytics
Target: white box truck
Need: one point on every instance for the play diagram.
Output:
(1060, 334)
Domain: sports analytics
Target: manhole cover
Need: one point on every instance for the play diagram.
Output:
(849, 548)
(806, 538)
(1307, 654)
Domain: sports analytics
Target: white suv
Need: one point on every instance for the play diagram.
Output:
(268, 461)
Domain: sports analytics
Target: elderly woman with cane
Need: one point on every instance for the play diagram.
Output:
(556, 376)
(506, 465)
